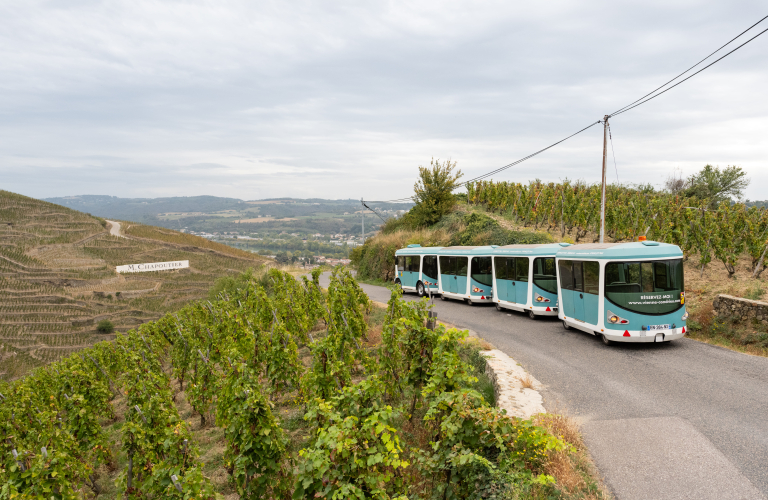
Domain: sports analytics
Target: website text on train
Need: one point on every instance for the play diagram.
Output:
(624, 292)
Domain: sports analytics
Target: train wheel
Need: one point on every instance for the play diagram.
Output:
(469, 302)
(498, 307)
(565, 325)
(420, 289)
(531, 315)
(605, 339)
(443, 297)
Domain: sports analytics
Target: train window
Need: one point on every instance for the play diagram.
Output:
(429, 267)
(544, 274)
(565, 268)
(448, 266)
(592, 277)
(400, 263)
(645, 287)
(500, 264)
(521, 265)
(481, 270)
(578, 276)
(411, 262)
(462, 265)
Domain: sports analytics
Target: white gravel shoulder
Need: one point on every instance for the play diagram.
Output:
(508, 379)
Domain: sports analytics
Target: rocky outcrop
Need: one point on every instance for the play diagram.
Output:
(742, 309)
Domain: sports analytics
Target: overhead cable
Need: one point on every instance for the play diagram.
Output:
(689, 69)
(647, 97)
(688, 77)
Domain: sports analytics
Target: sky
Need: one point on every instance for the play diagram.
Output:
(346, 99)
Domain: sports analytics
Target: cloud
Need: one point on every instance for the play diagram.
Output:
(343, 100)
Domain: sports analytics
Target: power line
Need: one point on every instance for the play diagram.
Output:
(525, 158)
(610, 136)
(689, 77)
(624, 109)
(689, 69)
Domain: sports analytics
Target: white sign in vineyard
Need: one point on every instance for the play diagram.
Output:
(153, 266)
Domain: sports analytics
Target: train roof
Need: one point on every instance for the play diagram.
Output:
(459, 250)
(635, 250)
(418, 250)
(547, 249)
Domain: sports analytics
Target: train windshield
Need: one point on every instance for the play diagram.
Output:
(645, 287)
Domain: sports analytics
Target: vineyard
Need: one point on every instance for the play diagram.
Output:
(57, 279)
(388, 414)
(722, 234)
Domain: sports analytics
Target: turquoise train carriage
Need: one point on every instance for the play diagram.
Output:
(525, 278)
(466, 273)
(416, 269)
(623, 292)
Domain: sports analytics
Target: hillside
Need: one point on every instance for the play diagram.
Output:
(58, 279)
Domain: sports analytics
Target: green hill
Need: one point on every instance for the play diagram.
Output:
(58, 279)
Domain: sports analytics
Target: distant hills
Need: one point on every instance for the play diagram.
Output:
(136, 209)
(218, 214)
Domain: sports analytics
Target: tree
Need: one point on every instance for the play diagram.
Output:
(717, 185)
(434, 192)
(675, 183)
(105, 326)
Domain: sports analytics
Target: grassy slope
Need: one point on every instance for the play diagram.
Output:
(57, 278)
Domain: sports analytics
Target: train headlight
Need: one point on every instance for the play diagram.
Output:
(477, 290)
(539, 298)
(616, 319)
(685, 316)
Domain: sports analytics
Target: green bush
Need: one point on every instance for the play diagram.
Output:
(105, 326)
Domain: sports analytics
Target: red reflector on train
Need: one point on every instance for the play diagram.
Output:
(548, 309)
(626, 333)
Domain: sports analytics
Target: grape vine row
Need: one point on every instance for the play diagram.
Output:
(723, 233)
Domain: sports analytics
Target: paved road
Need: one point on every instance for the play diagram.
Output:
(674, 420)
(115, 229)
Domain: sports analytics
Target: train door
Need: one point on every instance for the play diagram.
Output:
(578, 290)
(521, 280)
(448, 274)
(565, 271)
(500, 269)
(591, 291)
(411, 274)
(462, 272)
(400, 271)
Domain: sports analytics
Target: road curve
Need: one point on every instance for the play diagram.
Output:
(114, 229)
(675, 420)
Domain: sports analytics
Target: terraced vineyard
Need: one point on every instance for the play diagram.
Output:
(58, 280)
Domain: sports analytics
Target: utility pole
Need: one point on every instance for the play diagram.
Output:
(363, 212)
(605, 155)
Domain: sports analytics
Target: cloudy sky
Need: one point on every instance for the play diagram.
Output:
(346, 99)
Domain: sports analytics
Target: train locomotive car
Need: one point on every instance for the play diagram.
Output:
(623, 292)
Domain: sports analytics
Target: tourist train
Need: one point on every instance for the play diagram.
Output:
(620, 292)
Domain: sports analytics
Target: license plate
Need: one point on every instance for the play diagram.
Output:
(658, 327)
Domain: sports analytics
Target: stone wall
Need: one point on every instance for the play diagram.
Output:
(744, 309)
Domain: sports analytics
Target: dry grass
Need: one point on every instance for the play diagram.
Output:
(574, 472)
(526, 382)
(472, 341)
